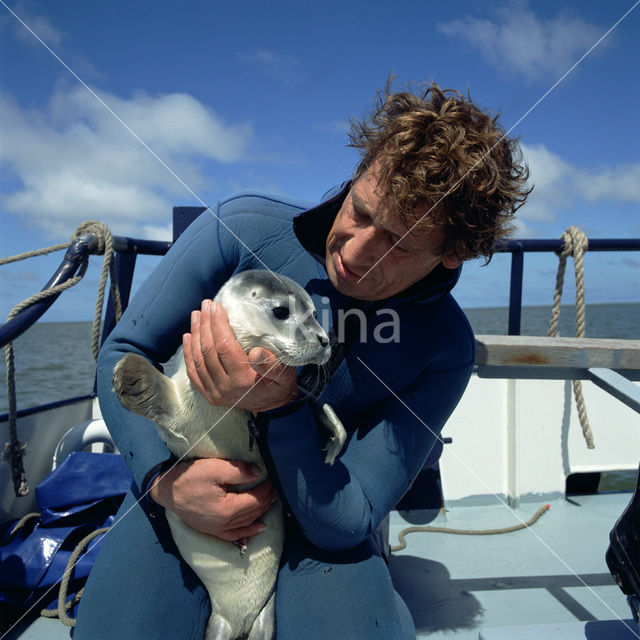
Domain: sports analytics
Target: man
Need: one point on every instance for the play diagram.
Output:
(438, 184)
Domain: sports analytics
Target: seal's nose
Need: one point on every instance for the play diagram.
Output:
(323, 340)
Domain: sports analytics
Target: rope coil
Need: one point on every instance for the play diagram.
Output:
(14, 449)
(575, 245)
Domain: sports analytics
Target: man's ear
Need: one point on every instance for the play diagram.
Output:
(450, 262)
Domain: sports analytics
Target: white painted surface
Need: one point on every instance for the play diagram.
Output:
(514, 438)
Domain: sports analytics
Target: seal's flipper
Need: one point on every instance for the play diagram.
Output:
(338, 436)
(264, 628)
(218, 629)
(142, 389)
(328, 419)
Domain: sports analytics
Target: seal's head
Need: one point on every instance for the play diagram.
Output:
(272, 311)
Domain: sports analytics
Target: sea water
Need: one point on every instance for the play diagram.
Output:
(53, 360)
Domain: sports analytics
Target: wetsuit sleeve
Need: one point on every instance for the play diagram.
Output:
(339, 506)
(194, 269)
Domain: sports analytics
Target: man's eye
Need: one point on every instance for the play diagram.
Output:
(280, 313)
(394, 241)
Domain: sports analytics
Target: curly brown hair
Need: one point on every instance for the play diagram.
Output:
(440, 151)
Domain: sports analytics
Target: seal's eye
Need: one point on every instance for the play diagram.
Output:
(281, 313)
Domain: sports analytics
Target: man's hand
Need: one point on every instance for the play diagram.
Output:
(198, 492)
(227, 377)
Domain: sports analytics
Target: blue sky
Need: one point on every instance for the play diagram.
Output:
(259, 95)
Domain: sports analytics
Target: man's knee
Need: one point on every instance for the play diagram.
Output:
(347, 594)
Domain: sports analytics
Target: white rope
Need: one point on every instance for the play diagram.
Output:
(575, 245)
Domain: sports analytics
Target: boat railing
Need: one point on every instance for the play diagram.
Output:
(523, 368)
(518, 249)
(521, 411)
(616, 361)
(74, 260)
(611, 364)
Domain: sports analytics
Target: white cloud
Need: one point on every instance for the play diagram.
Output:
(157, 232)
(23, 24)
(75, 161)
(334, 126)
(552, 180)
(559, 185)
(40, 25)
(284, 68)
(517, 41)
(621, 184)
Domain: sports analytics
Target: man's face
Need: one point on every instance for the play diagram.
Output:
(363, 232)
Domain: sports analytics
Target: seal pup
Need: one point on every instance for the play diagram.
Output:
(264, 310)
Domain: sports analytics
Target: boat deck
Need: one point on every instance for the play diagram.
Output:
(518, 585)
(513, 586)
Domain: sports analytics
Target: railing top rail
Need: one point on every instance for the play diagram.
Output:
(124, 244)
(158, 247)
(542, 245)
(535, 351)
(541, 357)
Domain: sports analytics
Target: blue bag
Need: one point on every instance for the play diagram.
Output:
(77, 499)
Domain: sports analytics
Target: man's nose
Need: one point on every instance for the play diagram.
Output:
(367, 247)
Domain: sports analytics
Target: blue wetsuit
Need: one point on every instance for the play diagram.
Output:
(405, 363)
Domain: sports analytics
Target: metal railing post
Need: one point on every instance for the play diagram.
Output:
(515, 290)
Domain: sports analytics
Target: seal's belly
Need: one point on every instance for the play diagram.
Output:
(239, 584)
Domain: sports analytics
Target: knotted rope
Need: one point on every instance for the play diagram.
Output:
(14, 449)
(105, 246)
(575, 245)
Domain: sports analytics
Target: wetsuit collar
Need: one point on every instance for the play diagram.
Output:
(313, 225)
